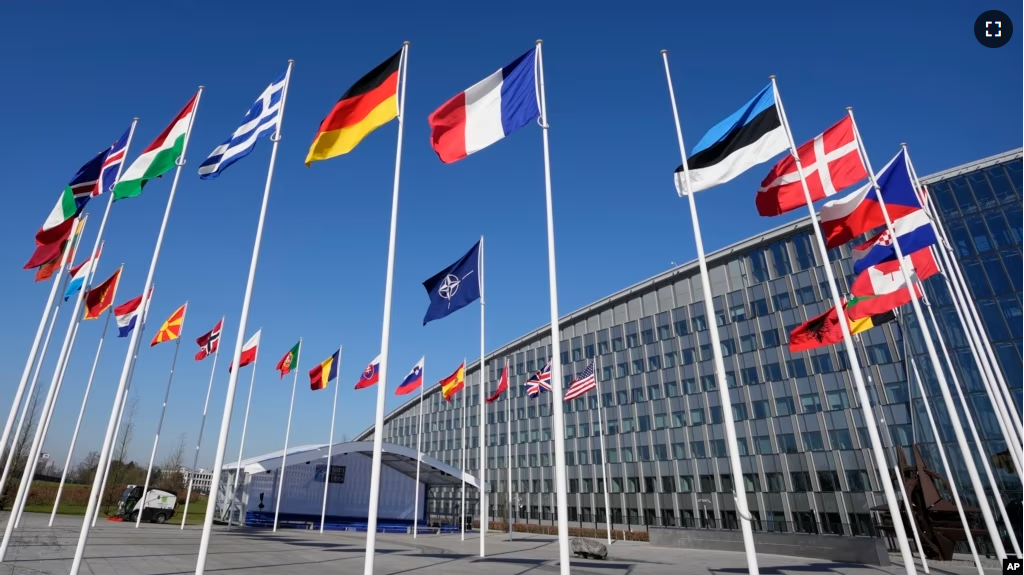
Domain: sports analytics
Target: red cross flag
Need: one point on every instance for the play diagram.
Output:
(831, 164)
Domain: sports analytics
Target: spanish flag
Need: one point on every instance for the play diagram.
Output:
(322, 374)
(453, 383)
(369, 104)
(171, 329)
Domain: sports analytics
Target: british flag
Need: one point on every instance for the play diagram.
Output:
(111, 165)
(538, 382)
(583, 383)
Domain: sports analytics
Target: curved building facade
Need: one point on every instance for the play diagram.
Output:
(804, 448)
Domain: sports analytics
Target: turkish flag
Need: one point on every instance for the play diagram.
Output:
(831, 163)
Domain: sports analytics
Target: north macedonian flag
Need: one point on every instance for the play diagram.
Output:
(369, 104)
(171, 329)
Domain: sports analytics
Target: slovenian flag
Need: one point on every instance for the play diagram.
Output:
(79, 275)
(127, 314)
(412, 381)
(370, 374)
(487, 111)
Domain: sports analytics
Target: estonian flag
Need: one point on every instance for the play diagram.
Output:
(750, 136)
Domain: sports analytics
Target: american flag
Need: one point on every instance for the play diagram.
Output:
(115, 157)
(540, 381)
(583, 383)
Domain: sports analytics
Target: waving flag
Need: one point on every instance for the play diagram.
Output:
(209, 341)
(79, 275)
(115, 157)
(370, 375)
(127, 314)
(262, 119)
(71, 201)
(502, 386)
(538, 382)
(584, 382)
(100, 297)
(454, 287)
(913, 232)
(322, 374)
(487, 111)
(159, 157)
(453, 383)
(412, 381)
(249, 350)
(290, 360)
(171, 329)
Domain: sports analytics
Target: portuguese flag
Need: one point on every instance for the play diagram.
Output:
(290, 360)
(159, 158)
(369, 104)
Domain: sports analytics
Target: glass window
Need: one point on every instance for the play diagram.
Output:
(796, 367)
(708, 383)
(696, 417)
(1001, 234)
(739, 411)
(758, 266)
(857, 479)
(681, 326)
(617, 338)
(780, 259)
(613, 426)
(748, 343)
(671, 389)
(632, 337)
(1001, 185)
(661, 452)
(763, 445)
(664, 327)
(627, 425)
(606, 373)
(660, 421)
(1012, 263)
(621, 369)
(603, 346)
(829, 480)
(653, 391)
(976, 279)
(944, 198)
(690, 386)
(981, 189)
(837, 399)
(758, 308)
(822, 363)
(787, 443)
(718, 448)
(770, 338)
(728, 347)
(878, 354)
(687, 355)
(638, 366)
(654, 363)
(679, 450)
(774, 482)
(993, 320)
(749, 375)
(760, 409)
(784, 406)
(962, 195)
(647, 330)
(613, 455)
(997, 278)
(737, 313)
(979, 234)
(805, 295)
(699, 323)
(644, 423)
(804, 253)
(698, 450)
(813, 441)
(1016, 221)
(678, 419)
(810, 403)
(1012, 314)
(840, 439)
(627, 454)
(782, 301)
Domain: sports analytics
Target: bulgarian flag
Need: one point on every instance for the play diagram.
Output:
(159, 157)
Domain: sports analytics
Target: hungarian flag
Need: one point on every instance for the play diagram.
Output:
(171, 329)
(209, 342)
(101, 297)
(825, 330)
(831, 163)
(453, 383)
(249, 351)
(290, 360)
(322, 374)
(502, 386)
(369, 104)
(159, 157)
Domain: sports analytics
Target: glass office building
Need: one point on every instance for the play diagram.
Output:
(801, 435)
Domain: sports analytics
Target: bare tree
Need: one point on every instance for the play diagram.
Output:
(20, 452)
(117, 463)
(85, 472)
(171, 479)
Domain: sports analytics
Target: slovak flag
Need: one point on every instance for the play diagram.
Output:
(487, 111)
(412, 381)
(913, 232)
(127, 314)
(370, 375)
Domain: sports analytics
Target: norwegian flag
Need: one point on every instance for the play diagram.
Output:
(831, 163)
(112, 163)
(584, 382)
(209, 342)
(538, 382)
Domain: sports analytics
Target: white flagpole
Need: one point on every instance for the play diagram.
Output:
(85, 400)
(419, 457)
(465, 425)
(483, 415)
(604, 464)
(556, 367)
(287, 433)
(330, 444)
(202, 426)
(160, 422)
(878, 450)
(241, 444)
(385, 338)
(229, 400)
(508, 439)
(108, 440)
(739, 490)
(958, 430)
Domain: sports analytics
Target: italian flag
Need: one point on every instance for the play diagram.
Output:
(159, 158)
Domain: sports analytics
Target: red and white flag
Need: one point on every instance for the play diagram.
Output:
(831, 164)
(886, 278)
(502, 386)
(249, 350)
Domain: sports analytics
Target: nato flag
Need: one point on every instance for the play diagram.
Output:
(454, 287)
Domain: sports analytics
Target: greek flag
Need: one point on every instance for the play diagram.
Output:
(260, 120)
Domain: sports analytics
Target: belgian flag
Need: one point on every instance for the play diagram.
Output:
(369, 104)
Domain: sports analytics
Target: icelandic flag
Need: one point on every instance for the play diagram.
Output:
(913, 232)
(127, 316)
(79, 275)
(263, 118)
(412, 381)
(859, 213)
(487, 111)
(112, 163)
(370, 375)
(454, 287)
(752, 135)
(538, 382)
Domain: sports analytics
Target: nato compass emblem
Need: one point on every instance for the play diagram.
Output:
(450, 286)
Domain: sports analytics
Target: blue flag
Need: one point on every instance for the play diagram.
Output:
(454, 287)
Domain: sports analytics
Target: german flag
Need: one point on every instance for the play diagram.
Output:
(369, 104)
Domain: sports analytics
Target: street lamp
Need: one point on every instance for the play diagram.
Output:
(705, 503)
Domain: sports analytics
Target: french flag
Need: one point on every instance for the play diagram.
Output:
(370, 375)
(412, 381)
(913, 232)
(486, 112)
(859, 213)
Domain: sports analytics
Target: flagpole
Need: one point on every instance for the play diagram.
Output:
(229, 400)
(330, 444)
(739, 490)
(202, 426)
(508, 439)
(896, 460)
(241, 444)
(419, 457)
(974, 328)
(287, 433)
(556, 368)
(108, 439)
(385, 338)
(483, 415)
(958, 430)
(604, 452)
(160, 422)
(465, 424)
(85, 400)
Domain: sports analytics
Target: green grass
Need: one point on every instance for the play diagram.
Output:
(196, 511)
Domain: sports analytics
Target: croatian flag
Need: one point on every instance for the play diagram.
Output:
(412, 381)
(913, 232)
(79, 274)
(113, 162)
(370, 375)
(487, 111)
(859, 213)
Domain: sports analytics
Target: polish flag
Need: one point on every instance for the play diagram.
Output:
(830, 162)
(249, 351)
(487, 111)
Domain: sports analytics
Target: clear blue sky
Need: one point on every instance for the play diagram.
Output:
(81, 73)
